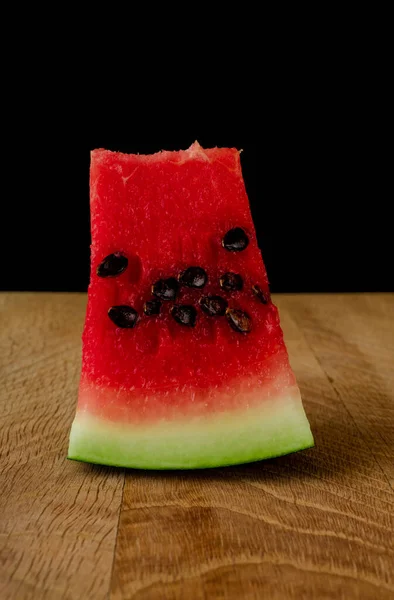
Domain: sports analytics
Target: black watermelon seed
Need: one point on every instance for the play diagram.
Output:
(152, 307)
(239, 320)
(112, 265)
(184, 314)
(231, 282)
(193, 277)
(260, 294)
(235, 240)
(165, 289)
(123, 316)
(214, 306)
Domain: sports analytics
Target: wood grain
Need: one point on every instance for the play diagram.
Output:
(354, 344)
(317, 524)
(58, 519)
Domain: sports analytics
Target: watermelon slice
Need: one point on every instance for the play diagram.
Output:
(184, 363)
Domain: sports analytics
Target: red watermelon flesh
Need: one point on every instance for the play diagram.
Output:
(163, 395)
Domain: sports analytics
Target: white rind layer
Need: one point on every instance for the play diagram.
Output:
(263, 429)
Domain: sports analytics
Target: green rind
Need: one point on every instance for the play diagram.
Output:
(276, 427)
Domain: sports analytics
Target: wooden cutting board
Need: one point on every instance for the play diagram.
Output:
(317, 524)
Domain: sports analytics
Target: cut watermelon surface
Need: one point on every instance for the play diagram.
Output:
(184, 363)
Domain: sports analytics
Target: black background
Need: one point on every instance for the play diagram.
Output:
(320, 207)
(309, 104)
